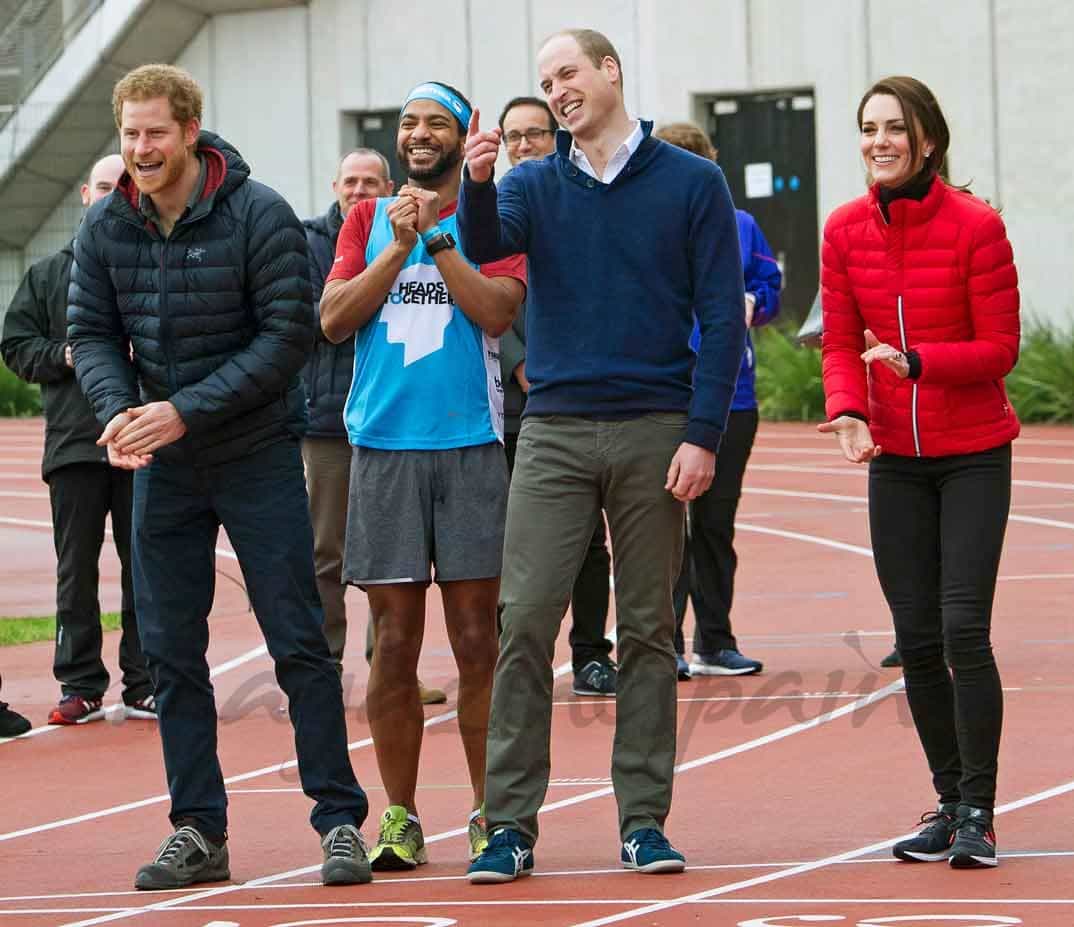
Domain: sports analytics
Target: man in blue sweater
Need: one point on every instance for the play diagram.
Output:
(628, 239)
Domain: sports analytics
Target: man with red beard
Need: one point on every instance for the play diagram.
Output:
(205, 272)
(428, 484)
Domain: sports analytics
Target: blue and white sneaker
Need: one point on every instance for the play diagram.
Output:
(648, 850)
(724, 663)
(507, 857)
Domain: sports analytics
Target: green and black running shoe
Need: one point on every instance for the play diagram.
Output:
(401, 844)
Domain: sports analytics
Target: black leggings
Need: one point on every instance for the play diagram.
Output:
(937, 529)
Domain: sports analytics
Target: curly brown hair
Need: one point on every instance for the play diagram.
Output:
(689, 136)
(159, 80)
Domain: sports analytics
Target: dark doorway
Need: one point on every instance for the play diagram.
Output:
(377, 130)
(766, 144)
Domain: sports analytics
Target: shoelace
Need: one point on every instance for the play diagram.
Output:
(502, 839)
(651, 837)
(345, 843)
(393, 829)
(177, 842)
(931, 818)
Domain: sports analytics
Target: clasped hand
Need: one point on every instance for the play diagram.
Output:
(132, 436)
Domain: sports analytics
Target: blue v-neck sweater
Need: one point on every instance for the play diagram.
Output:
(617, 273)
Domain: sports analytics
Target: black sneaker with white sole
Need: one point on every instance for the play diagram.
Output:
(184, 858)
(975, 839)
(933, 843)
(596, 678)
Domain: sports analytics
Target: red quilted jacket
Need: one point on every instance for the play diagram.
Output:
(939, 279)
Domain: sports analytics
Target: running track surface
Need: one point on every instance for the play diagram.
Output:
(792, 784)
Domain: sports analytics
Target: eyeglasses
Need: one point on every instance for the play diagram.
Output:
(533, 136)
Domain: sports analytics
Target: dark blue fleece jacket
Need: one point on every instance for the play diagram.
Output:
(617, 273)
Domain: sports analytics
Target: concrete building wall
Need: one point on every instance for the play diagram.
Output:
(280, 85)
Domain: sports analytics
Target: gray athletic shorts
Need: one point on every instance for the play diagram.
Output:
(409, 510)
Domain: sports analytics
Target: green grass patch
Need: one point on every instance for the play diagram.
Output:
(1041, 386)
(789, 387)
(31, 630)
(17, 397)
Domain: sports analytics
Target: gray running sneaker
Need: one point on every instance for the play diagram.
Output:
(184, 858)
(345, 860)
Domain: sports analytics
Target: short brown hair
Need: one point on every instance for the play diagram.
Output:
(688, 136)
(596, 46)
(159, 80)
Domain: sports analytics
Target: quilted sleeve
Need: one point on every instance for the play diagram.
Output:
(992, 290)
(846, 388)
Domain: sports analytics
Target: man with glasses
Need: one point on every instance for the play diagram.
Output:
(529, 132)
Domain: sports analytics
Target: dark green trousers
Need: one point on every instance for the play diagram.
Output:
(566, 470)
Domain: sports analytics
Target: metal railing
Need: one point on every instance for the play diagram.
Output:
(33, 34)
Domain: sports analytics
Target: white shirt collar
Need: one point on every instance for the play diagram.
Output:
(617, 161)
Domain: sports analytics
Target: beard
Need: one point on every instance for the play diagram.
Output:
(171, 172)
(448, 160)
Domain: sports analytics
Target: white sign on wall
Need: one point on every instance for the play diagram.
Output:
(758, 180)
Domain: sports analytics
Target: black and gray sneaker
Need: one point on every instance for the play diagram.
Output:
(345, 860)
(975, 839)
(934, 842)
(597, 677)
(184, 858)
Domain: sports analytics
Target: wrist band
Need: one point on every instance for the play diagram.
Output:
(431, 233)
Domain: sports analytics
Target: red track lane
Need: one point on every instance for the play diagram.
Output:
(765, 810)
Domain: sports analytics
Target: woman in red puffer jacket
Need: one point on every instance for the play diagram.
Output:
(920, 298)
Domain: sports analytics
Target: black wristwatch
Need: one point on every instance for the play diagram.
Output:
(439, 242)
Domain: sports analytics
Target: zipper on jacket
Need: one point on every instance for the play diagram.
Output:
(913, 397)
(165, 317)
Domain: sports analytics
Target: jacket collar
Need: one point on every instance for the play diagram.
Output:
(905, 211)
(225, 171)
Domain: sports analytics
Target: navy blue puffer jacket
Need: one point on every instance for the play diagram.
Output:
(328, 373)
(219, 314)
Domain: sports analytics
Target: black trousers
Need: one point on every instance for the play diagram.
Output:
(589, 597)
(709, 559)
(937, 529)
(82, 495)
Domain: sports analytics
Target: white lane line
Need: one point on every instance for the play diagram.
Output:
(409, 879)
(808, 538)
(1034, 576)
(116, 709)
(837, 454)
(792, 697)
(16, 494)
(806, 867)
(230, 780)
(836, 497)
(850, 469)
(757, 742)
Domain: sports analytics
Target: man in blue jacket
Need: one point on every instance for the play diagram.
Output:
(709, 562)
(203, 273)
(627, 239)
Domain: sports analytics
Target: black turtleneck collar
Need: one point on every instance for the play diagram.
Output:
(916, 188)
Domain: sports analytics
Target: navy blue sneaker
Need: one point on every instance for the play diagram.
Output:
(724, 663)
(933, 843)
(974, 846)
(682, 668)
(648, 850)
(507, 857)
(596, 678)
